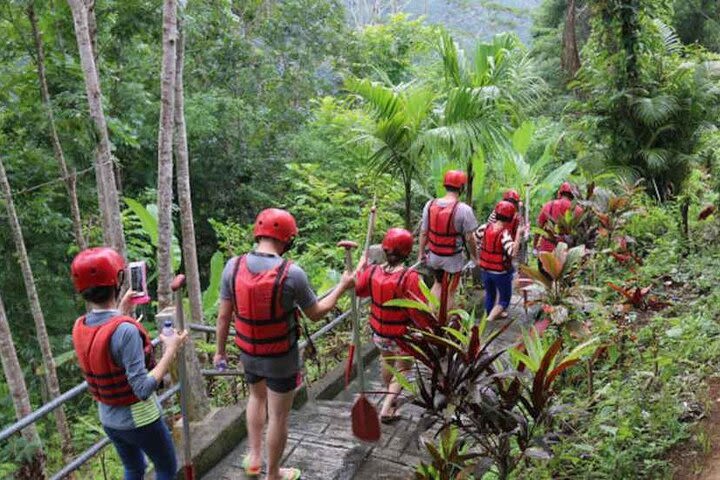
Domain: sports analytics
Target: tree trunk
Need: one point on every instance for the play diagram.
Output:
(19, 394)
(570, 59)
(108, 200)
(92, 29)
(470, 179)
(408, 203)
(37, 314)
(165, 159)
(192, 271)
(70, 180)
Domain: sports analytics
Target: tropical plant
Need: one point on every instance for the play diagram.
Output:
(483, 98)
(503, 410)
(557, 286)
(450, 458)
(400, 114)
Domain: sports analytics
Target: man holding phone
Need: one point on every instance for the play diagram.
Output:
(262, 292)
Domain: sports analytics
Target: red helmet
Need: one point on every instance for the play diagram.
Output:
(566, 189)
(505, 210)
(275, 223)
(512, 196)
(455, 179)
(398, 241)
(97, 267)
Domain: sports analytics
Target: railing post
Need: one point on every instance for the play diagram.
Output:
(198, 403)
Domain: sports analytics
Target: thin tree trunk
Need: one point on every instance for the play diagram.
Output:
(19, 394)
(470, 179)
(165, 160)
(41, 331)
(184, 192)
(570, 59)
(70, 180)
(92, 29)
(105, 176)
(408, 203)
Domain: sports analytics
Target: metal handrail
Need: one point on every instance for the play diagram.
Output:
(85, 456)
(47, 408)
(77, 390)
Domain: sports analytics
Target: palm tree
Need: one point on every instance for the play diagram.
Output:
(400, 113)
(484, 97)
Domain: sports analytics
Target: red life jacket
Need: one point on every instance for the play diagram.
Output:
(557, 208)
(263, 328)
(492, 254)
(442, 235)
(106, 380)
(389, 322)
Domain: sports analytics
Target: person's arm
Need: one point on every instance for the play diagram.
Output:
(171, 345)
(422, 240)
(319, 309)
(127, 349)
(222, 329)
(518, 234)
(225, 312)
(472, 246)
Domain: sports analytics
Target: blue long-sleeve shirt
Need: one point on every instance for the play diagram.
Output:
(126, 348)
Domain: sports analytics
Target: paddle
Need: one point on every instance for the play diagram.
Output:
(368, 239)
(365, 420)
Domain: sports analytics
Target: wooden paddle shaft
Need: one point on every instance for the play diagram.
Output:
(355, 320)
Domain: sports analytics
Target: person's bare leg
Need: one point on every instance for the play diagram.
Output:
(394, 388)
(279, 405)
(387, 378)
(256, 413)
(495, 312)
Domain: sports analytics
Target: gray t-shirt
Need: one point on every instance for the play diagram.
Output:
(126, 348)
(465, 222)
(296, 293)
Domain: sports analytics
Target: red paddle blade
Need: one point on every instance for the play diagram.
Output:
(189, 471)
(348, 367)
(365, 420)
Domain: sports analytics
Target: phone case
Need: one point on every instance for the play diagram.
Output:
(142, 297)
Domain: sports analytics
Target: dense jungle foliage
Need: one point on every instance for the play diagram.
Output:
(318, 106)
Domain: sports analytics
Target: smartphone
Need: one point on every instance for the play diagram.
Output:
(138, 282)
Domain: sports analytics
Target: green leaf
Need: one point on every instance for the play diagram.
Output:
(405, 303)
(522, 137)
(427, 293)
(147, 220)
(402, 380)
(211, 295)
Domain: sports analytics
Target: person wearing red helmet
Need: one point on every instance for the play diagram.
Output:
(447, 225)
(496, 250)
(550, 212)
(382, 283)
(116, 357)
(263, 292)
(513, 197)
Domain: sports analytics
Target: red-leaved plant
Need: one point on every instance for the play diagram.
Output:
(463, 380)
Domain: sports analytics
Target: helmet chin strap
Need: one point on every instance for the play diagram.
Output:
(288, 246)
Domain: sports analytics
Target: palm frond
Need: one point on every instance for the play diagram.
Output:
(654, 111)
(671, 40)
(384, 101)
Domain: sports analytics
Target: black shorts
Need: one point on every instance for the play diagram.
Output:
(438, 274)
(277, 385)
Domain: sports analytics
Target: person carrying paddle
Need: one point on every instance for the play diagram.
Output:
(382, 283)
(447, 225)
(496, 249)
(550, 213)
(262, 292)
(116, 357)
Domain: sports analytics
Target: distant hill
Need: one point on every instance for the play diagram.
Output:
(473, 19)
